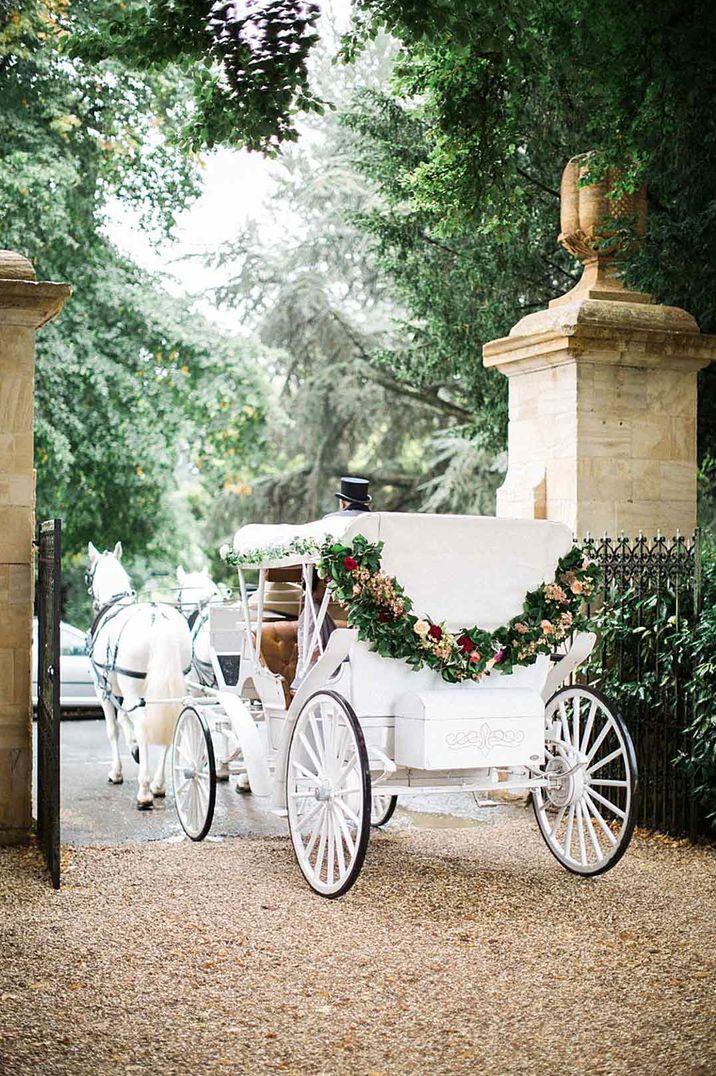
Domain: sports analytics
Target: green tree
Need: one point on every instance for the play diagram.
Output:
(506, 92)
(130, 384)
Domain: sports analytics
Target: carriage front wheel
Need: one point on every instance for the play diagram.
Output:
(194, 773)
(328, 794)
(587, 811)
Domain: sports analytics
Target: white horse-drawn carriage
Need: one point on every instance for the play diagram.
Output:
(395, 703)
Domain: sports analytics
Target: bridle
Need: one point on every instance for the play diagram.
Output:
(89, 581)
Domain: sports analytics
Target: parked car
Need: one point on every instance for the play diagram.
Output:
(76, 685)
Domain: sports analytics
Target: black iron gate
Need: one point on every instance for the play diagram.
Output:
(651, 586)
(48, 695)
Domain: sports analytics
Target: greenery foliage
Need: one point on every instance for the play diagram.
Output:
(132, 388)
(666, 647)
(381, 610)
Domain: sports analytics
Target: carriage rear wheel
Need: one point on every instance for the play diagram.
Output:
(194, 773)
(587, 812)
(328, 794)
(381, 809)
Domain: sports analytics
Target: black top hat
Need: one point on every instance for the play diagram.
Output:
(354, 490)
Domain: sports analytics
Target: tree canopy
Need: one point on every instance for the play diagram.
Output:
(131, 385)
(501, 95)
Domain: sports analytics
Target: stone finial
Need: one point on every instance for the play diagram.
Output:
(14, 266)
(586, 220)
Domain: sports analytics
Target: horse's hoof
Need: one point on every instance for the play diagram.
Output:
(135, 754)
(115, 780)
(159, 793)
(145, 806)
(223, 776)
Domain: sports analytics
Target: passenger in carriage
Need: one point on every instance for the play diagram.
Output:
(353, 497)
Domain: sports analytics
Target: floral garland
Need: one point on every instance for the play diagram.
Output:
(382, 612)
(255, 558)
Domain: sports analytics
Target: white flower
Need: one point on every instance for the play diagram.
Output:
(224, 550)
(421, 628)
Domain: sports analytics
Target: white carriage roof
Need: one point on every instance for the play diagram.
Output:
(465, 570)
(462, 569)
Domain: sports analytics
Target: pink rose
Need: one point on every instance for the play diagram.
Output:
(547, 627)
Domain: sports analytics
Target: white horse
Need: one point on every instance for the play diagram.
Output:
(196, 592)
(140, 652)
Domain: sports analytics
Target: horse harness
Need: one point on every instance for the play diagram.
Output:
(103, 670)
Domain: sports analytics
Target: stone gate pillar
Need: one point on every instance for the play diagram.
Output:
(602, 392)
(25, 305)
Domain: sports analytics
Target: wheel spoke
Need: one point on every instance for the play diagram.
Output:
(599, 820)
(575, 721)
(310, 752)
(308, 774)
(605, 760)
(592, 835)
(350, 764)
(309, 817)
(558, 821)
(315, 833)
(319, 738)
(340, 852)
(588, 726)
(570, 830)
(318, 865)
(331, 855)
(599, 740)
(348, 812)
(350, 843)
(580, 835)
(607, 803)
(610, 784)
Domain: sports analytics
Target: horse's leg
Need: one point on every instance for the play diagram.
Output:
(127, 726)
(145, 800)
(110, 721)
(158, 786)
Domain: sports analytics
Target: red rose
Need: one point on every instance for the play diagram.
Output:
(350, 564)
(475, 657)
(466, 644)
(383, 616)
(435, 631)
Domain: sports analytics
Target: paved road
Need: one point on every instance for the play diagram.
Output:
(96, 812)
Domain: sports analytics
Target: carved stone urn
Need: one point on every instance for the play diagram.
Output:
(588, 213)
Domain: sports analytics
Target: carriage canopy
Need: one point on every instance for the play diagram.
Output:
(460, 569)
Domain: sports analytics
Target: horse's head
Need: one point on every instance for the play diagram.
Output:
(195, 589)
(106, 578)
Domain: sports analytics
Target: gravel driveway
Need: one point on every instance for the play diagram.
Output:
(464, 948)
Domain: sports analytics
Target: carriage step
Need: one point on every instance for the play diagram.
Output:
(280, 812)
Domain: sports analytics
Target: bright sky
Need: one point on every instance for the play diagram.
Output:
(236, 184)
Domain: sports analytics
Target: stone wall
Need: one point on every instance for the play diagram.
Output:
(24, 306)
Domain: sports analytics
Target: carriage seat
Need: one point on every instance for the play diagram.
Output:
(279, 650)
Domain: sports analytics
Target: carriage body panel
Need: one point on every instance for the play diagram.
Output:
(328, 726)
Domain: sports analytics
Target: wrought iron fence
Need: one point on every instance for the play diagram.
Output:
(651, 587)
